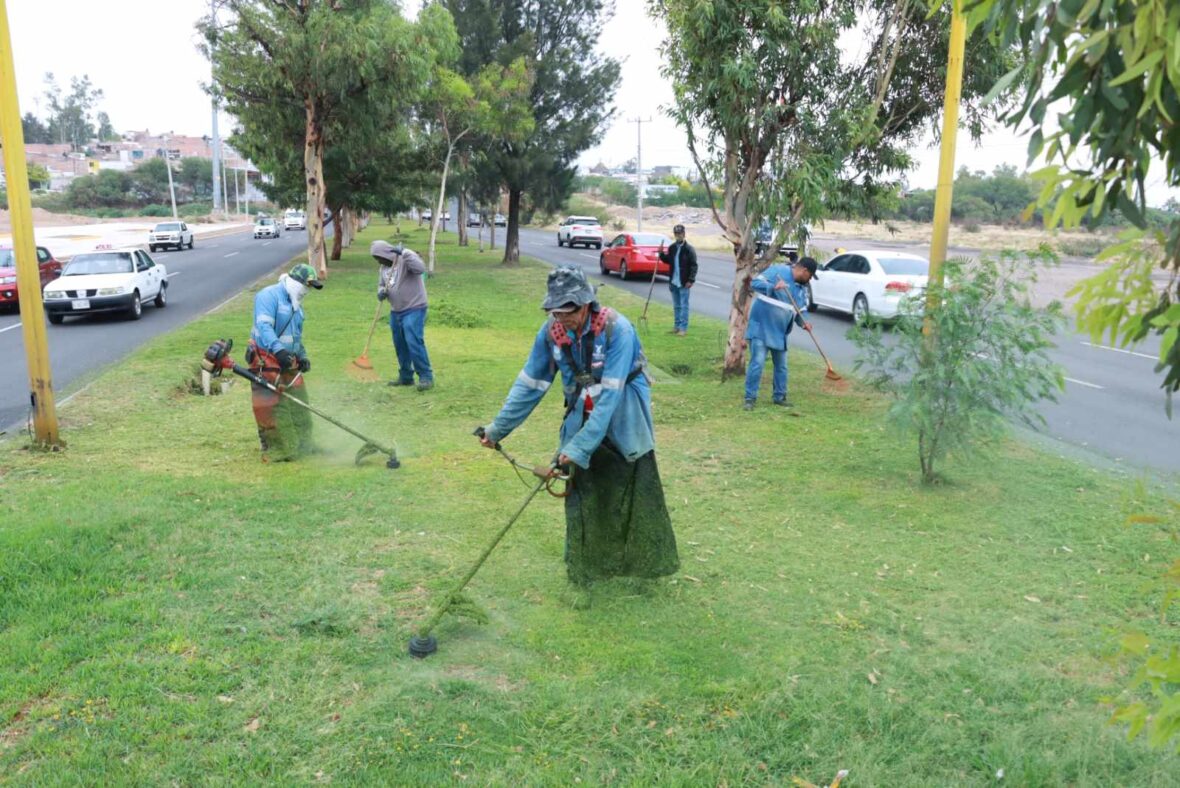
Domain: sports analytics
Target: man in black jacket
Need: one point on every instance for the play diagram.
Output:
(683, 259)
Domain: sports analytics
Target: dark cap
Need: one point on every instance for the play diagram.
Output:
(678, 229)
(810, 264)
(567, 286)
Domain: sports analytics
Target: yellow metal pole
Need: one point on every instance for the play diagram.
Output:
(28, 273)
(946, 162)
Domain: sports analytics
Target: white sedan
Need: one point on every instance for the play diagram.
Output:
(174, 234)
(869, 284)
(106, 281)
(583, 230)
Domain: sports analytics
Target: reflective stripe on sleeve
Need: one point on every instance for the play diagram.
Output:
(533, 383)
(775, 302)
(612, 383)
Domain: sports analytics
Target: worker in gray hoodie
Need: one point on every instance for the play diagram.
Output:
(401, 280)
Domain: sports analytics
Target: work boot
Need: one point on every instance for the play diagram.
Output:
(784, 403)
(425, 385)
(749, 405)
(682, 333)
(400, 383)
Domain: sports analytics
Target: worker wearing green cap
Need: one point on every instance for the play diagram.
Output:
(276, 353)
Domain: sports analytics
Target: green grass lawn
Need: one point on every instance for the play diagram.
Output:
(174, 611)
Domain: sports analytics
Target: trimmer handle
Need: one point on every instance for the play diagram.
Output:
(480, 433)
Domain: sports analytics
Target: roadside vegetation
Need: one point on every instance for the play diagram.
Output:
(173, 610)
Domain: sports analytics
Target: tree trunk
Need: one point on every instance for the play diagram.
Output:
(313, 172)
(739, 314)
(492, 243)
(462, 215)
(436, 217)
(337, 235)
(512, 237)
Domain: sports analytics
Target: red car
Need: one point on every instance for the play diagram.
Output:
(50, 270)
(635, 253)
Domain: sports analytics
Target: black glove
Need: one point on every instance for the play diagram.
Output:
(304, 364)
(381, 294)
(284, 358)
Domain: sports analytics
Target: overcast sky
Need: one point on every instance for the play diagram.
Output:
(142, 54)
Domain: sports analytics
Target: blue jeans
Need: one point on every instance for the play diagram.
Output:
(409, 341)
(679, 307)
(758, 351)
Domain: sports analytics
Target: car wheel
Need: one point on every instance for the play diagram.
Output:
(597, 246)
(602, 265)
(192, 241)
(623, 270)
(57, 320)
(559, 241)
(811, 305)
(860, 309)
(152, 247)
(162, 297)
(135, 311)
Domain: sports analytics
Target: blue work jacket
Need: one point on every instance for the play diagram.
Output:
(274, 313)
(772, 315)
(622, 409)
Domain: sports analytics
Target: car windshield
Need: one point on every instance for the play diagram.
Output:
(292, 214)
(7, 260)
(904, 266)
(109, 263)
(650, 239)
(265, 221)
(170, 227)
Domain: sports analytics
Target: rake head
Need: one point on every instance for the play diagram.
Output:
(363, 362)
(832, 374)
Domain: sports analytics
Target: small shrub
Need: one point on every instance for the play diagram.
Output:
(618, 225)
(1082, 245)
(155, 210)
(988, 361)
(972, 227)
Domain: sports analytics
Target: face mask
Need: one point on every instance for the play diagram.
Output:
(296, 291)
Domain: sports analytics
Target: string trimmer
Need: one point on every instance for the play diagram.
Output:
(423, 644)
(217, 359)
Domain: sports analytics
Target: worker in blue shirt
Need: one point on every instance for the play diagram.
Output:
(771, 319)
(276, 354)
(617, 522)
(683, 258)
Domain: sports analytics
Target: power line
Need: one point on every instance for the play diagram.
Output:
(639, 167)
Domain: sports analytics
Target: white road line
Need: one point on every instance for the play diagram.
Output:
(267, 243)
(1120, 350)
(9, 328)
(587, 254)
(706, 284)
(231, 254)
(1084, 383)
(174, 273)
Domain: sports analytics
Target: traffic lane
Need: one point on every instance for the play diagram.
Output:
(199, 279)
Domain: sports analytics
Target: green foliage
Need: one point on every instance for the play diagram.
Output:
(612, 190)
(38, 176)
(104, 189)
(1116, 65)
(579, 206)
(989, 361)
(782, 118)
(569, 98)
(34, 130)
(149, 181)
(195, 177)
(70, 113)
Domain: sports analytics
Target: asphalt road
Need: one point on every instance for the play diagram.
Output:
(198, 280)
(1112, 405)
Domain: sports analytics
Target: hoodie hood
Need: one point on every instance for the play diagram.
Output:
(385, 251)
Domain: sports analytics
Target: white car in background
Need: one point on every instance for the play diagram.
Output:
(869, 284)
(266, 228)
(174, 234)
(583, 230)
(106, 280)
(294, 220)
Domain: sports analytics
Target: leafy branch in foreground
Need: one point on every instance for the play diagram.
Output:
(990, 363)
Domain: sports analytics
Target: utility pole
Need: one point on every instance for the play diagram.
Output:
(224, 186)
(639, 167)
(216, 141)
(28, 277)
(168, 164)
(237, 196)
(946, 167)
